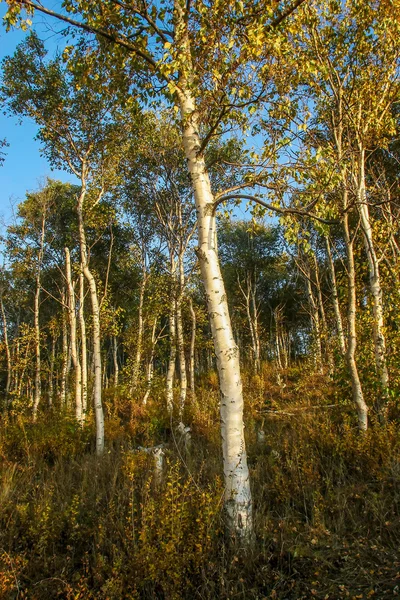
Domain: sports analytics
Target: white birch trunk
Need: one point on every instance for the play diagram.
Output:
(257, 353)
(172, 357)
(150, 364)
(7, 347)
(64, 368)
(358, 396)
(180, 339)
(97, 396)
(83, 342)
(52, 362)
(238, 501)
(139, 345)
(115, 360)
(73, 338)
(38, 385)
(192, 349)
(335, 298)
(375, 288)
(315, 324)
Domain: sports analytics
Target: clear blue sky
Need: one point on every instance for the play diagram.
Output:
(24, 168)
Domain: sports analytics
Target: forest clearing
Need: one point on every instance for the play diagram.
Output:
(199, 376)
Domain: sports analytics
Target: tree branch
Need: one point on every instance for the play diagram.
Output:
(116, 39)
(281, 211)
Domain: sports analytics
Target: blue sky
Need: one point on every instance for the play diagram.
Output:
(24, 168)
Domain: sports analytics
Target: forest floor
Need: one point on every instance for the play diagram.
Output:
(326, 500)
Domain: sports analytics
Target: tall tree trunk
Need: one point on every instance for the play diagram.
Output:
(38, 385)
(7, 346)
(315, 324)
(172, 356)
(277, 336)
(64, 368)
(52, 362)
(192, 349)
(115, 360)
(98, 406)
(139, 345)
(73, 338)
(375, 289)
(335, 298)
(238, 501)
(150, 364)
(83, 341)
(358, 396)
(257, 353)
(179, 336)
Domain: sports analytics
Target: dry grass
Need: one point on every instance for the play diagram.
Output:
(326, 503)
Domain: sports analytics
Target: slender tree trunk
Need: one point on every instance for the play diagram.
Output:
(38, 385)
(358, 396)
(257, 353)
(192, 349)
(179, 336)
(52, 362)
(238, 501)
(115, 360)
(83, 341)
(315, 323)
(246, 295)
(172, 356)
(375, 289)
(73, 338)
(7, 346)
(150, 364)
(335, 298)
(98, 406)
(277, 335)
(64, 368)
(139, 345)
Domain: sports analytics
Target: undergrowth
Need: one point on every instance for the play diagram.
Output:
(326, 501)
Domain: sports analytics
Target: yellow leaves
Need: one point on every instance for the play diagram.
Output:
(171, 87)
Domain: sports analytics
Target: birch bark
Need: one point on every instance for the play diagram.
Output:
(238, 500)
(73, 338)
(38, 385)
(97, 395)
(7, 346)
(375, 288)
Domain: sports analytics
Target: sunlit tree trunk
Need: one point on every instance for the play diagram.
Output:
(52, 363)
(115, 359)
(7, 347)
(150, 364)
(179, 337)
(83, 342)
(172, 356)
(38, 385)
(335, 298)
(98, 406)
(139, 344)
(315, 323)
(276, 338)
(64, 368)
(358, 396)
(238, 500)
(192, 349)
(375, 288)
(357, 392)
(73, 338)
(257, 346)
